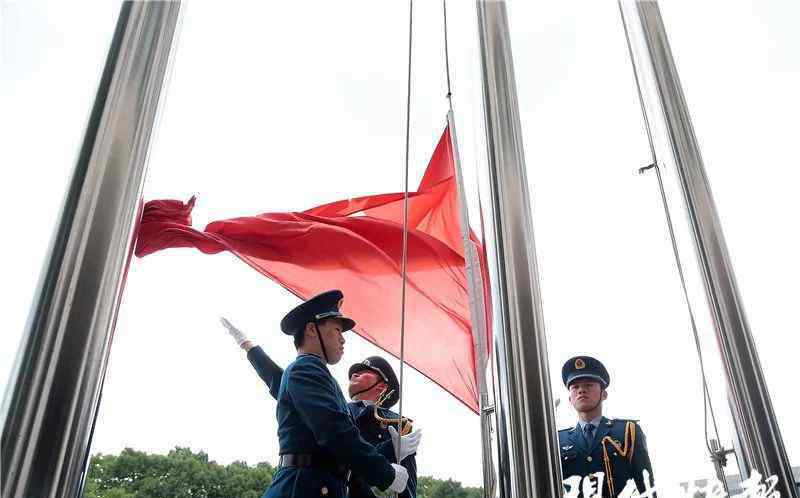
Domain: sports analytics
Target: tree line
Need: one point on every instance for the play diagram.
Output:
(183, 473)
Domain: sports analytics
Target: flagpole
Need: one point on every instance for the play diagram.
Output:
(53, 395)
(757, 433)
(527, 449)
(477, 308)
(477, 304)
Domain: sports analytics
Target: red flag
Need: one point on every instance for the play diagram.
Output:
(328, 247)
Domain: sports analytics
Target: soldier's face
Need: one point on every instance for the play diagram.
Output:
(333, 337)
(366, 384)
(585, 394)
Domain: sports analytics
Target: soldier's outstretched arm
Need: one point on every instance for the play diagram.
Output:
(316, 399)
(268, 370)
(641, 461)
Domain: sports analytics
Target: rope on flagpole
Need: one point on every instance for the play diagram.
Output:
(405, 223)
(447, 56)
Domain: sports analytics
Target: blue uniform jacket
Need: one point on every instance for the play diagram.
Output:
(370, 429)
(313, 418)
(579, 460)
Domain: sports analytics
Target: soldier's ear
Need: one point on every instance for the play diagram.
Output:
(311, 329)
(604, 395)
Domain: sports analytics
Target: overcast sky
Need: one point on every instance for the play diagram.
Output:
(283, 106)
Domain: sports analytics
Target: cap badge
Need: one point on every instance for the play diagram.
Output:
(366, 363)
(580, 364)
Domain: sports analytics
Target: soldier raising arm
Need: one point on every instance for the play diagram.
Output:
(319, 443)
(373, 390)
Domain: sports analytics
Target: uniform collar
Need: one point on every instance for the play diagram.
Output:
(595, 422)
(358, 409)
(316, 358)
(300, 355)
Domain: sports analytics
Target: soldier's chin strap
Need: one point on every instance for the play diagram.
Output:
(321, 344)
(368, 388)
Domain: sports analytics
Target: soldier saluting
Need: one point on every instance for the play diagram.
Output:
(614, 447)
(319, 442)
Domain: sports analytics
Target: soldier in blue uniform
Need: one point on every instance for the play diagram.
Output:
(373, 389)
(319, 442)
(615, 447)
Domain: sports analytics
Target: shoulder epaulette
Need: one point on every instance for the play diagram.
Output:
(620, 419)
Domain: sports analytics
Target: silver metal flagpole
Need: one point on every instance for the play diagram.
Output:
(477, 308)
(51, 404)
(529, 462)
(667, 113)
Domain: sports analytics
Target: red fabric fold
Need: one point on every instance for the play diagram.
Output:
(329, 247)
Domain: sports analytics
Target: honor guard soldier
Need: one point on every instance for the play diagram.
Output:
(373, 389)
(319, 442)
(615, 447)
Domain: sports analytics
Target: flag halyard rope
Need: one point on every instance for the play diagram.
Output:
(405, 222)
(447, 56)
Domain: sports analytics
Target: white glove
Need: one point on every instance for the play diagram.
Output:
(237, 334)
(400, 478)
(408, 443)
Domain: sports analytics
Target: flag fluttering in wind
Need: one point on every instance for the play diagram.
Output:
(356, 245)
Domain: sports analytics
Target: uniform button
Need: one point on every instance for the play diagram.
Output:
(588, 459)
(380, 436)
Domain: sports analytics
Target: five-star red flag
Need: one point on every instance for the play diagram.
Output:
(356, 245)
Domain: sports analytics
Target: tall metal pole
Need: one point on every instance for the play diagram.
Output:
(529, 463)
(52, 400)
(478, 314)
(667, 113)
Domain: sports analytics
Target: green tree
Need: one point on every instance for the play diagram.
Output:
(428, 487)
(180, 474)
(183, 473)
